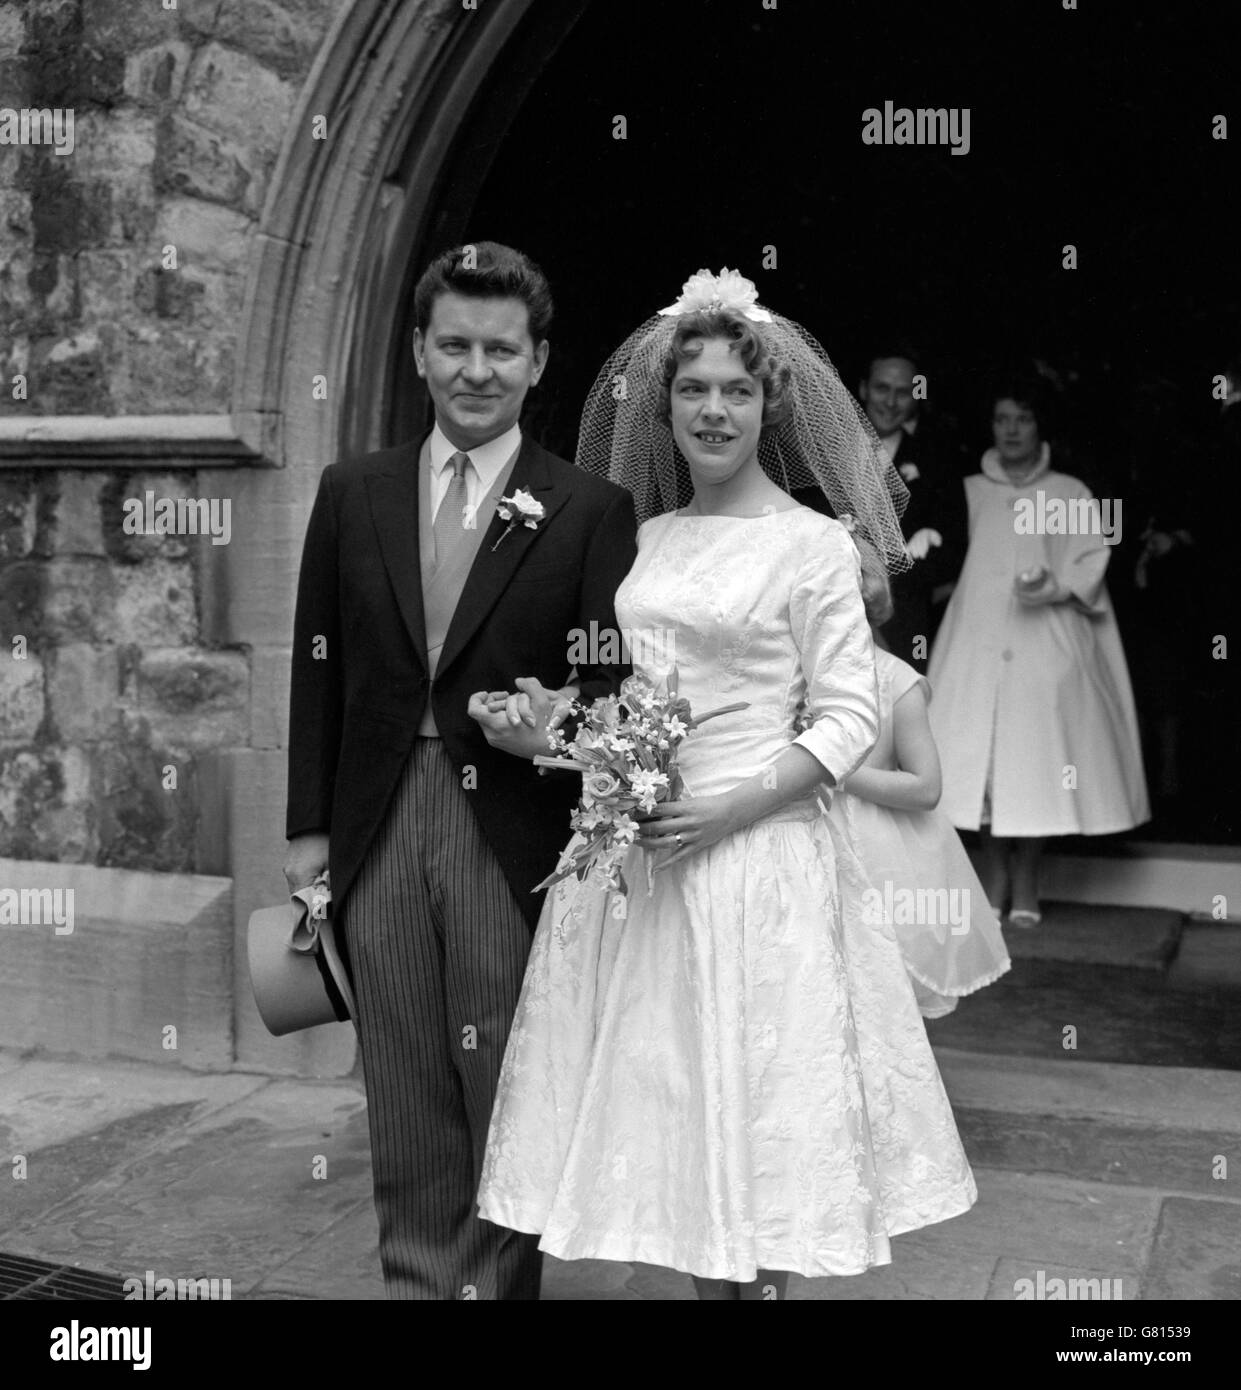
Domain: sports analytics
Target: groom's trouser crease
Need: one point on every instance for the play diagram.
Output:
(438, 946)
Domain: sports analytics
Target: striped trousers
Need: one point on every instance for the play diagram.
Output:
(438, 948)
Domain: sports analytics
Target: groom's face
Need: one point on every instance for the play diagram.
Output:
(478, 360)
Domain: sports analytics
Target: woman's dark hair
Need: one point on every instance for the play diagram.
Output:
(886, 351)
(486, 270)
(747, 342)
(1032, 393)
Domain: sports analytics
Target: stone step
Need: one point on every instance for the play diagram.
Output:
(1172, 1128)
(1061, 1010)
(117, 963)
(1141, 938)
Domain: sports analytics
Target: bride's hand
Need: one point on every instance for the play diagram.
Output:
(685, 827)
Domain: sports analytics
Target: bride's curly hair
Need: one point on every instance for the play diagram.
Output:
(747, 341)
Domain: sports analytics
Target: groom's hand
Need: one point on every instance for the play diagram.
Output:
(305, 861)
(528, 704)
(535, 706)
(516, 723)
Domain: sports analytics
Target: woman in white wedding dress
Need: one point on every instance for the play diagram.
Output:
(732, 1078)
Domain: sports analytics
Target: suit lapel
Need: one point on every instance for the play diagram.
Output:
(394, 513)
(493, 568)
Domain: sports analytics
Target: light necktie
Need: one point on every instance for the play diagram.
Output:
(450, 518)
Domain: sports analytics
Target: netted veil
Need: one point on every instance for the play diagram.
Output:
(825, 441)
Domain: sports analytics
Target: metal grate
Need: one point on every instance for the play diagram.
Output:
(24, 1278)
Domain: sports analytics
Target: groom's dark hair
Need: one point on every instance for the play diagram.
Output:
(486, 270)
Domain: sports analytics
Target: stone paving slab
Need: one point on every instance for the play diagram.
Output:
(230, 1195)
(1046, 1221)
(57, 1173)
(48, 1101)
(1197, 1251)
(191, 1175)
(340, 1263)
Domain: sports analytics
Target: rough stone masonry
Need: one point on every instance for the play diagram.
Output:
(179, 115)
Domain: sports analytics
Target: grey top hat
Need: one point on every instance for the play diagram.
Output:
(296, 971)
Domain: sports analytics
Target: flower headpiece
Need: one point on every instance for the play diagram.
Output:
(727, 290)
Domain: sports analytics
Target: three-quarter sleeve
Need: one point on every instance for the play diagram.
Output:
(837, 656)
(1080, 561)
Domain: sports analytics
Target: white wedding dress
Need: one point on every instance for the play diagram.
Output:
(734, 1075)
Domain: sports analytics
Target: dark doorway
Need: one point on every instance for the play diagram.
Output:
(1090, 127)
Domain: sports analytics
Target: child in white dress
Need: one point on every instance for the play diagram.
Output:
(923, 884)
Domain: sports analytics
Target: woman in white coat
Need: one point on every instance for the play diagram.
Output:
(1034, 713)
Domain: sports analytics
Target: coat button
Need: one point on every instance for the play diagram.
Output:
(1007, 655)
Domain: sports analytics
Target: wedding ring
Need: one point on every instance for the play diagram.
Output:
(679, 840)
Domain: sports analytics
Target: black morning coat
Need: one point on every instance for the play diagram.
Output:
(359, 679)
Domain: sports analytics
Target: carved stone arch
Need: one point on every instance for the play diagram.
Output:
(347, 217)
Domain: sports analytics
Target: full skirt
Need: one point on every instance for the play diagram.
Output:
(725, 1073)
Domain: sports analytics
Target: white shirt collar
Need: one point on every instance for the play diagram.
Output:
(488, 459)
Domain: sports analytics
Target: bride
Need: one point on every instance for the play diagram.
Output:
(732, 1078)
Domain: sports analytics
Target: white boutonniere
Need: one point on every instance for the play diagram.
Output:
(518, 510)
(908, 471)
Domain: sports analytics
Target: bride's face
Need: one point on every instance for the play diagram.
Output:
(716, 412)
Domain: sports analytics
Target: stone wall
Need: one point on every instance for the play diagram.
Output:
(103, 719)
(179, 115)
(139, 730)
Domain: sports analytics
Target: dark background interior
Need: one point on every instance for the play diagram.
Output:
(1091, 127)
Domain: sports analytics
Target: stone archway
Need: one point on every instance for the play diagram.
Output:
(346, 220)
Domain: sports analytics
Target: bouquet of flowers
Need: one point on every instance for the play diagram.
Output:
(625, 748)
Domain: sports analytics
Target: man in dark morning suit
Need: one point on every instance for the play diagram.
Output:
(416, 598)
(934, 522)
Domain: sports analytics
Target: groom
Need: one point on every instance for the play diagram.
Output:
(415, 596)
